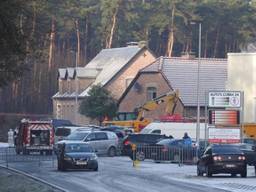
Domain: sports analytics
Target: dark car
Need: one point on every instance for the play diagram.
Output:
(249, 151)
(142, 142)
(225, 158)
(175, 150)
(119, 131)
(73, 155)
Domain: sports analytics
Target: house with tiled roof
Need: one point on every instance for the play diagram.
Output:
(113, 69)
(175, 73)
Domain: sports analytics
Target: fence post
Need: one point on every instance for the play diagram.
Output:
(6, 156)
(39, 159)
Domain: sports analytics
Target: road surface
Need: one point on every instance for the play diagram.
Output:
(114, 175)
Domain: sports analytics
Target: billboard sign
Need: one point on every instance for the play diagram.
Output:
(229, 99)
(224, 135)
(224, 117)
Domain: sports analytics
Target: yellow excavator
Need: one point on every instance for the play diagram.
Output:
(170, 98)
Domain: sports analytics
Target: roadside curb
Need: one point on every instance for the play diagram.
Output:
(35, 178)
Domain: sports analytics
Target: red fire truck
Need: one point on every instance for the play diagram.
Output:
(34, 136)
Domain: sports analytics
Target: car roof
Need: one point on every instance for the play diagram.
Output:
(71, 142)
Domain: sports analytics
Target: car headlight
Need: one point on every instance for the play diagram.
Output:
(94, 157)
(66, 158)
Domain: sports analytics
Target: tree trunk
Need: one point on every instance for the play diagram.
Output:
(86, 34)
(216, 42)
(51, 48)
(113, 26)
(78, 43)
(171, 34)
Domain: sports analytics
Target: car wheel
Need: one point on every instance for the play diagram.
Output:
(208, 171)
(244, 174)
(95, 169)
(199, 173)
(112, 152)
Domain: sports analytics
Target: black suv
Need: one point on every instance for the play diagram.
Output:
(142, 141)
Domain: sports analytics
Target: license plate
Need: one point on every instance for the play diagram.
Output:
(230, 165)
(81, 162)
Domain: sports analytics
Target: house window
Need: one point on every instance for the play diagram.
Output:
(151, 93)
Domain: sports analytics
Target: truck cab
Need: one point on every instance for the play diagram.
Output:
(34, 136)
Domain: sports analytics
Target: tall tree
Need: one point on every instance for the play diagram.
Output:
(12, 40)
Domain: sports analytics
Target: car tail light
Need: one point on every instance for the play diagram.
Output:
(242, 158)
(164, 149)
(127, 142)
(217, 158)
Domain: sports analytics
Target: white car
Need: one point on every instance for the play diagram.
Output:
(103, 142)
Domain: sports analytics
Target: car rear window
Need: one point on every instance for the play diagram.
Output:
(226, 150)
(78, 136)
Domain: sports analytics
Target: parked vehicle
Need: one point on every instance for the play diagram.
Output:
(175, 150)
(175, 129)
(119, 131)
(76, 155)
(105, 142)
(34, 136)
(140, 140)
(62, 132)
(225, 158)
(249, 151)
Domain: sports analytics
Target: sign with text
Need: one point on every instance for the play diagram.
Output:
(230, 99)
(224, 135)
(224, 117)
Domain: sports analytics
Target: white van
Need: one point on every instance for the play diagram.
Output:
(175, 129)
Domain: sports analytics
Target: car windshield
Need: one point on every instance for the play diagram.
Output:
(78, 136)
(69, 148)
(226, 150)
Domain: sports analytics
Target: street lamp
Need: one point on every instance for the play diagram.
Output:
(76, 86)
(198, 83)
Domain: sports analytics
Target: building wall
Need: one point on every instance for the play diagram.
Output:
(242, 77)
(138, 96)
(66, 109)
(119, 84)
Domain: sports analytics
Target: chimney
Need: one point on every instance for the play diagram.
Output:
(188, 55)
(139, 44)
(132, 43)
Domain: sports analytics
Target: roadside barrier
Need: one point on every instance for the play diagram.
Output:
(180, 155)
(38, 155)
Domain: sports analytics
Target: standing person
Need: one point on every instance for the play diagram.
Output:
(187, 139)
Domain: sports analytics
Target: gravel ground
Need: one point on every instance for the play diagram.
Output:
(11, 181)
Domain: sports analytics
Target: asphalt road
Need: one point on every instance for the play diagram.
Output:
(114, 175)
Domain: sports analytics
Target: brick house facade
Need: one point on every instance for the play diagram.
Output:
(113, 69)
(176, 73)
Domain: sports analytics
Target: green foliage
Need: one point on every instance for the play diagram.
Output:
(98, 104)
(12, 41)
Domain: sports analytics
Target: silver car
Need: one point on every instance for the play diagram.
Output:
(103, 142)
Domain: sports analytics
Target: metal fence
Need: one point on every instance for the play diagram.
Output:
(181, 155)
(9, 155)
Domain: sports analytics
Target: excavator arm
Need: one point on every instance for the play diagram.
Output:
(171, 98)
